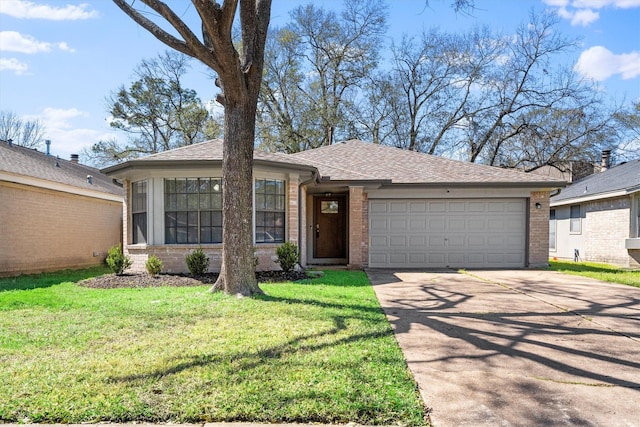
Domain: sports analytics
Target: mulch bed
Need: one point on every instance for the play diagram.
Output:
(112, 281)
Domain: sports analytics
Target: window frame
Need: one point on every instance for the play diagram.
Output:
(575, 222)
(139, 210)
(192, 208)
(270, 210)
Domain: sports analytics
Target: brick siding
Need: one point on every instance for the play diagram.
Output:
(606, 228)
(45, 230)
(539, 229)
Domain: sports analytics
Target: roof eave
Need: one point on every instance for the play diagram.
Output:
(598, 196)
(190, 163)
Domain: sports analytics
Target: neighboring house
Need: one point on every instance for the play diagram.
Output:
(598, 218)
(352, 203)
(54, 213)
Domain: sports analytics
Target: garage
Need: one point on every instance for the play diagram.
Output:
(441, 233)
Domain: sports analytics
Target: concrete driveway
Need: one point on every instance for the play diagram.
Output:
(518, 347)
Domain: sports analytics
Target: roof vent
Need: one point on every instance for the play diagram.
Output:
(57, 161)
(74, 158)
(10, 141)
(89, 179)
(47, 142)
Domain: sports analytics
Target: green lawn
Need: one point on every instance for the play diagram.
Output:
(605, 272)
(316, 352)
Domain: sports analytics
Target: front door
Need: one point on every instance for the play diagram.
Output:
(330, 224)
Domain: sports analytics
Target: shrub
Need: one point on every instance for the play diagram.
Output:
(197, 262)
(154, 265)
(288, 256)
(118, 261)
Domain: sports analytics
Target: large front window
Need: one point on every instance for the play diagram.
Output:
(270, 210)
(139, 212)
(193, 210)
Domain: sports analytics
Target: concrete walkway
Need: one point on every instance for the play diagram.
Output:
(519, 347)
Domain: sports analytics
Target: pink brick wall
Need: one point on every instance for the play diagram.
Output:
(539, 229)
(46, 230)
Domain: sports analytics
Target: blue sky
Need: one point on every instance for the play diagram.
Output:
(59, 59)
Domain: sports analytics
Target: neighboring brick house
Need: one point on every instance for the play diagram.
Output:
(352, 203)
(598, 218)
(54, 213)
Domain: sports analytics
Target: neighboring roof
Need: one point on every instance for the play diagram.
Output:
(20, 164)
(208, 151)
(356, 160)
(616, 181)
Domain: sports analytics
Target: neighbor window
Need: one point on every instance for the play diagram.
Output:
(270, 210)
(139, 212)
(193, 210)
(552, 230)
(574, 221)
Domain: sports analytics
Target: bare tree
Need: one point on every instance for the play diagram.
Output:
(239, 77)
(27, 133)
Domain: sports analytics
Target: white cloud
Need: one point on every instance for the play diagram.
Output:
(599, 63)
(581, 12)
(12, 41)
(30, 10)
(64, 129)
(12, 64)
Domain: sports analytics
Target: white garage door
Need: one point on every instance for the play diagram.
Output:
(459, 233)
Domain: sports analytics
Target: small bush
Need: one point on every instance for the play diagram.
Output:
(154, 265)
(117, 261)
(197, 262)
(288, 256)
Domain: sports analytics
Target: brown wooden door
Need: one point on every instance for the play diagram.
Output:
(330, 215)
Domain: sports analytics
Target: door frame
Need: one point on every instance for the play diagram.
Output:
(313, 198)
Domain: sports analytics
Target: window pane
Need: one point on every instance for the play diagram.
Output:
(192, 218)
(192, 186)
(193, 234)
(169, 186)
(205, 219)
(182, 201)
(181, 186)
(139, 234)
(259, 219)
(216, 201)
(216, 218)
(181, 235)
(280, 202)
(192, 202)
(170, 235)
(170, 219)
(216, 235)
(205, 235)
(260, 201)
(205, 185)
(182, 219)
(205, 201)
(270, 202)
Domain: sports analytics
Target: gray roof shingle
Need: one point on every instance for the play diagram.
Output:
(205, 151)
(28, 162)
(359, 160)
(623, 177)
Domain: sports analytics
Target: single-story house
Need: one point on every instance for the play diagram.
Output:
(353, 203)
(54, 213)
(598, 218)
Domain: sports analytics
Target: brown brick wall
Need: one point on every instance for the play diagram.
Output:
(46, 230)
(539, 229)
(356, 198)
(606, 227)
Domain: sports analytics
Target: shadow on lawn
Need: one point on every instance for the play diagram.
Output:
(46, 280)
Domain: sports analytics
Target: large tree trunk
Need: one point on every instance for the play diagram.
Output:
(237, 275)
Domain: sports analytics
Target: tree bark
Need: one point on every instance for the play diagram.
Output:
(237, 274)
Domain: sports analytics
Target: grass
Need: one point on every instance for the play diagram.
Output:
(604, 272)
(314, 352)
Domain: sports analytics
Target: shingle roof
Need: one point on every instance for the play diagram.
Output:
(206, 151)
(359, 160)
(624, 177)
(28, 162)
